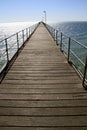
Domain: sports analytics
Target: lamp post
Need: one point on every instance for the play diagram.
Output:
(45, 16)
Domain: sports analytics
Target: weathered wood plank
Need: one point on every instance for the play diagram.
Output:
(43, 121)
(46, 81)
(43, 112)
(42, 103)
(14, 75)
(41, 90)
(43, 128)
(44, 96)
(59, 85)
(75, 78)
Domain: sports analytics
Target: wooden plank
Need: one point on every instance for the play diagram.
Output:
(18, 103)
(14, 75)
(43, 121)
(46, 81)
(59, 85)
(43, 112)
(75, 78)
(43, 128)
(41, 90)
(44, 96)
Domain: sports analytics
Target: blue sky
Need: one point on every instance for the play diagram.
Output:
(32, 10)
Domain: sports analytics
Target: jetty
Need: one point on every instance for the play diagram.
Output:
(41, 90)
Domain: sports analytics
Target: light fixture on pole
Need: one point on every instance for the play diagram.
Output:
(45, 16)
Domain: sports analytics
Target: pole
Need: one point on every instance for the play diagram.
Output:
(45, 16)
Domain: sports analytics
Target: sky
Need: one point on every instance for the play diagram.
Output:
(32, 10)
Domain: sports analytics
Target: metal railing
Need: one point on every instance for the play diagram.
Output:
(75, 51)
(9, 47)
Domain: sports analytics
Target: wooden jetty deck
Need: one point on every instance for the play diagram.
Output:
(41, 90)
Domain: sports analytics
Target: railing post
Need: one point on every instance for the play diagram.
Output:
(7, 50)
(29, 31)
(57, 37)
(17, 43)
(69, 49)
(54, 33)
(84, 76)
(26, 33)
(23, 35)
(61, 42)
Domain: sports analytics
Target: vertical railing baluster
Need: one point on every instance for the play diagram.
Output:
(23, 35)
(29, 31)
(26, 33)
(84, 76)
(61, 42)
(69, 49)
(17, 43)
(57, 37)
(7, 50)
(55, 34)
